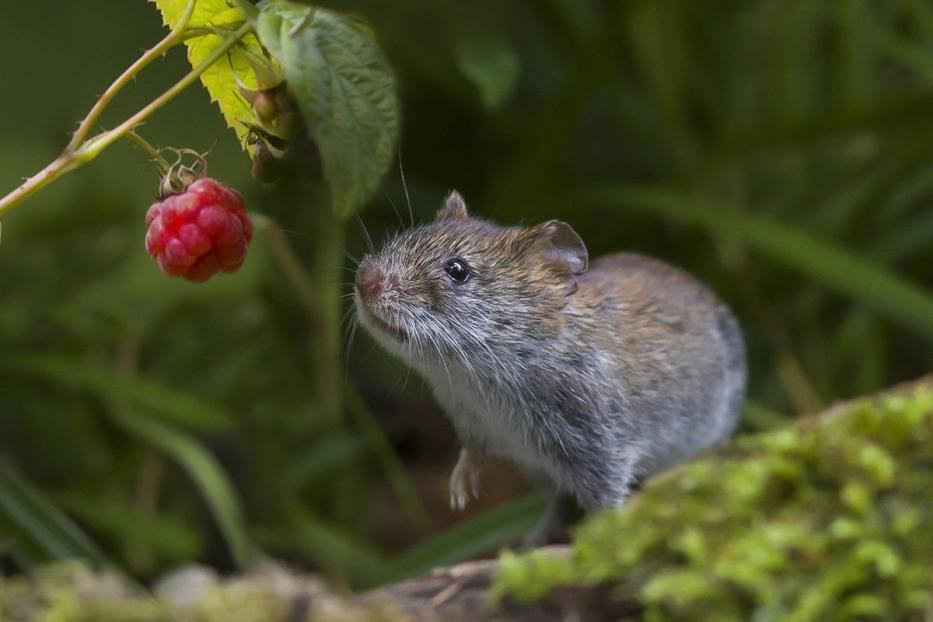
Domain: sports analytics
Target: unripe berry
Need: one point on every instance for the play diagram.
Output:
(199, 232)
(266, 108)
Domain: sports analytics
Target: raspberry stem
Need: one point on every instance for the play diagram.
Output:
(292, 266)
(327, 264)
(72, 158)
(146, 146)
(173, 38)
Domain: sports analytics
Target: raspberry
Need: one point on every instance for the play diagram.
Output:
(200, 232)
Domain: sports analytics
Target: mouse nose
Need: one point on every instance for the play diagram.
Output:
(372, 281)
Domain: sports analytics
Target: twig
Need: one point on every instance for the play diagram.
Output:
(70, 160)
(291, 265)
(144, 144)
(173, 38)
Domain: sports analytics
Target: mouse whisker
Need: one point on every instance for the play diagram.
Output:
(394, 209)
(401, 171)
(355, 323)
(362, 225)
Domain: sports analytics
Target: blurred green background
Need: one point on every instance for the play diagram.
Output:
(781, 151)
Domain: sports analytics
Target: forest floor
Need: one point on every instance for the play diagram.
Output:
(829, 514)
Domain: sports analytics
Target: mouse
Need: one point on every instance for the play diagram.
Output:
(587, 375)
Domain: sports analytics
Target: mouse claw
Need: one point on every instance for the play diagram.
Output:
(464, 480)
(474, 482)
(458, 500)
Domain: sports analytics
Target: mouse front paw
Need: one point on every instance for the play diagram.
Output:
(464, 480)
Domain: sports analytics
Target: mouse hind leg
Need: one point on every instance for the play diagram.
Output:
(594, 490)
(562, 512)
(607, 484)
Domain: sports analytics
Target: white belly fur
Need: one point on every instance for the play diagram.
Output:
(482, 421)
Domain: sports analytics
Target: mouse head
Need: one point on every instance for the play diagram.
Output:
(460, 288)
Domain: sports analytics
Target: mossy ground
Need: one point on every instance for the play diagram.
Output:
(831, 519)
(71, 592)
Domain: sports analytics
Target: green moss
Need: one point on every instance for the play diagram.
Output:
(831, 519)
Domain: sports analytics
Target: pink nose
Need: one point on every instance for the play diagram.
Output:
(371, 282)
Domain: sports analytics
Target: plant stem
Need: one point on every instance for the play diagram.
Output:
(92, 148)
(320, 296)
(174, 37)
(291, 265)
(327, 265)
(72, 159)
(144, 144)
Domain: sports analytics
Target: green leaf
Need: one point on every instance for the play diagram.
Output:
(203, 469)
(36, 530)
(345, 89)
(219, 79)
(875, 287)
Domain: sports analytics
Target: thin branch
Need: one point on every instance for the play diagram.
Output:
(291, 265)
(144, 144)
(173, 38)
(70, 160)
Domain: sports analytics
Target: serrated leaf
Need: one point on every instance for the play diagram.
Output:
(345, 88)
(219, 79)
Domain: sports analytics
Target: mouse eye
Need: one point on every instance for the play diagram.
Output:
(457, 269)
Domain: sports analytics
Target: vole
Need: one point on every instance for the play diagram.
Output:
(587, 376)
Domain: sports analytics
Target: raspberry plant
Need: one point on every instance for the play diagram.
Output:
(299, 85)
(339, 79)
(288, 77)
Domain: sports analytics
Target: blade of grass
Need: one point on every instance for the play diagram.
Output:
(395, 471)
(338, 551)
(468, 539)
(910, 111)
(171, 537)
(915, 236)
(915, 55)
(108, 383)
(757, 417)
(846, 272)
(204, 470)
(659, 36)
(325, 455)
(37, 527)
(855, 61)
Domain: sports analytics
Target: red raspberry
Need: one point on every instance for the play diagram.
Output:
(200, 232)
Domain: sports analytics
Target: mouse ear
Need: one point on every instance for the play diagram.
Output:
(559, 246)
(454, 208)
